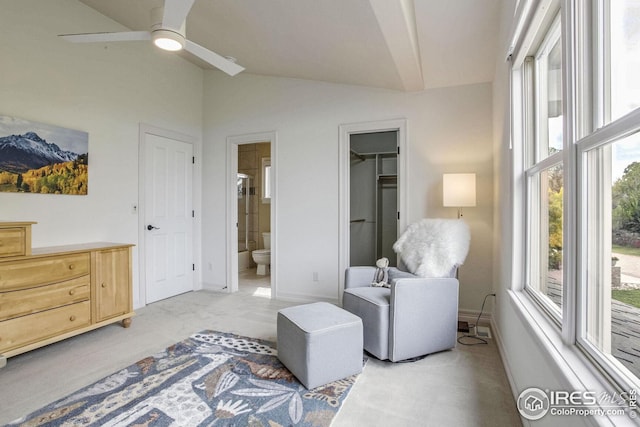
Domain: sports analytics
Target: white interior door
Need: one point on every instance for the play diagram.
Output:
(168, 213)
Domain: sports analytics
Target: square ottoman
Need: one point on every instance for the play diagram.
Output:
(319, 343)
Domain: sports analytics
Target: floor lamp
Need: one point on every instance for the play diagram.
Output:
(459, 191)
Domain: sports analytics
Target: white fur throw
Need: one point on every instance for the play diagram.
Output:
(433, 247)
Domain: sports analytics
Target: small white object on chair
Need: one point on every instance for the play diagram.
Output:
(381, 276)
(432, 247)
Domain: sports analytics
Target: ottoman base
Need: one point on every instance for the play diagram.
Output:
(319, 343)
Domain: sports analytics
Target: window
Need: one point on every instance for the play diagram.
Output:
(622, 58)
(266, 180)
(544, 171)
(610, 160)
(612, 253)
(576, 123)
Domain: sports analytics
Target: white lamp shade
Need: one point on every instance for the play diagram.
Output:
(458, 190)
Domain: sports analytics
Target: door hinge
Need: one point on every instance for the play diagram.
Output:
(193, 214)
(398, 150)
(193, 160)
(193, 267)
(398, 215)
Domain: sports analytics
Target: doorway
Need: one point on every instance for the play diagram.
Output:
(383, 217)
(251, 209)
(254, 219)
(373, 178)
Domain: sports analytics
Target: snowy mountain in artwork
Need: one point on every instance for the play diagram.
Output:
(20, 153)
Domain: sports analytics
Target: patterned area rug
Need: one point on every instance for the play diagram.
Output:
(210, 379)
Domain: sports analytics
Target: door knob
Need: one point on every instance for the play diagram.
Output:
(151, 227)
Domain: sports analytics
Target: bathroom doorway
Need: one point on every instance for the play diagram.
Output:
(251, 204)
(254, 219)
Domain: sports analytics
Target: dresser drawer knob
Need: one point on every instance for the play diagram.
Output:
(72, 318)
(104, 285)
(72, 266)
(72, 292)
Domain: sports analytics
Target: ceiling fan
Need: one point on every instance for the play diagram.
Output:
(168, 33)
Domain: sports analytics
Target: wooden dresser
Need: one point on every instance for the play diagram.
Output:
(49, 294)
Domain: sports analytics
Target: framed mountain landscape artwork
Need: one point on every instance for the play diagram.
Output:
(41, 158)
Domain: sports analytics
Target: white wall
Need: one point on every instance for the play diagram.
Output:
(449, 130)
(106, 90)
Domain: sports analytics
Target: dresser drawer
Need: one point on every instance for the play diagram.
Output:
(33, 300)
(21, 274)
(35, 327)
(12, 242)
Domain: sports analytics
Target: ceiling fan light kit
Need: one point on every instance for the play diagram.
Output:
(168, 40)
(168, 33)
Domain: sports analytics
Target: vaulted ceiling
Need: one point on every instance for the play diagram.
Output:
(407, 45)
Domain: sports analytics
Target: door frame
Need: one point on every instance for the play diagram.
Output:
(346, 130)
(232, 206)
(145, 129)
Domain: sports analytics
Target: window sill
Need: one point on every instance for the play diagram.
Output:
(573, 370)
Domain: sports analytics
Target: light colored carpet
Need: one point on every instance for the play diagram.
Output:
(466, 386)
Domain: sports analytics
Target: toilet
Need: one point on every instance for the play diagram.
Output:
(262, 257)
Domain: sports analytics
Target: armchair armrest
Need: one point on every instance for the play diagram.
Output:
(423, 316)
(357, 277)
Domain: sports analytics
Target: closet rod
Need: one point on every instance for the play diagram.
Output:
(360, 156)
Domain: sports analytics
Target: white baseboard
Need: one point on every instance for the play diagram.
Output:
(507, 369)
(471, 316)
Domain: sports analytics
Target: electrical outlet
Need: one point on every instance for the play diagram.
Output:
(483, 332)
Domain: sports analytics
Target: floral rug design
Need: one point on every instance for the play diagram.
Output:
(210, 379)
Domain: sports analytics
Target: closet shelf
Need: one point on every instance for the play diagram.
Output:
(390, 176)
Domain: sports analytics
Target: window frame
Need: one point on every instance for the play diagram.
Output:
(266, 179)
(535, 161)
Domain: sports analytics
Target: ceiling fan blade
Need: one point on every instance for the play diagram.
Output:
(213, 58)
(107, 37)
(175, 13)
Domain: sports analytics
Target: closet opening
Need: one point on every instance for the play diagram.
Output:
(373, 204)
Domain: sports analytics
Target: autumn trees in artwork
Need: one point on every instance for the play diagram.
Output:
(60, 178)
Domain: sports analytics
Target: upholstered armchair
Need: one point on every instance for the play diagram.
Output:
(417, 314)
